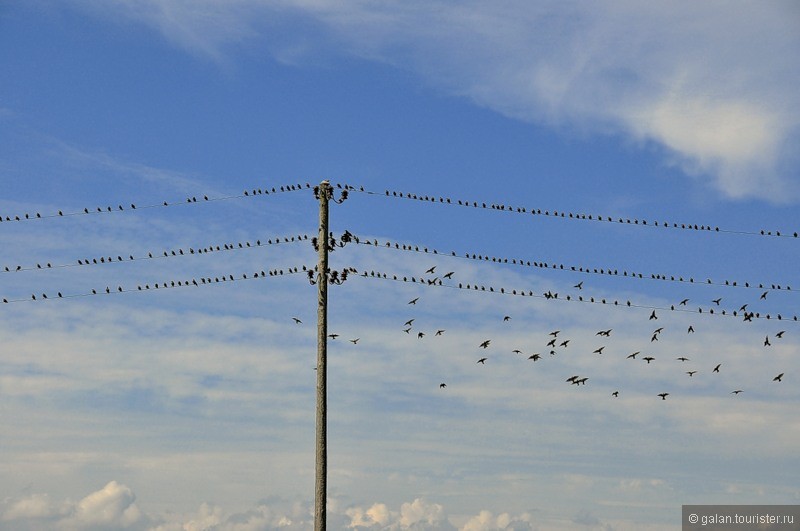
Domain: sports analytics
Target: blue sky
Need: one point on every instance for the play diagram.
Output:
(193, 407)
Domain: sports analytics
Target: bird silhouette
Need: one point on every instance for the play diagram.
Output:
(691, 373)
(778, 378)
(407, 330)
(555, 333)
(439, 332)
(599, 350)
(606, 333)
(408, 323)
(682, 359)
(448, 275)
(413, 301)
(690, 330)
(579, 285)
(573, 378)
(333, 336)
(648, 359)
(507, 318)
(615, 394)
(580, 381)
(420, 335)
(431, 270)
(764, 295)
(551, 343)
(716, 369)
(485, 344)
(633, 356)
(653, 315)
(717, 301)
(736, 392)
(296, 320)
(654, 338)
(564, 343)
(442, 385)
(535, 357)
(779, 335)
(355, 341)
(663, 395)
(766, 342)
(482, 361)
(683, 302)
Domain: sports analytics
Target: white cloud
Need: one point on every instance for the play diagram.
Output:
(712, 84)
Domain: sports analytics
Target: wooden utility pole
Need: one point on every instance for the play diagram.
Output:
(321, 486)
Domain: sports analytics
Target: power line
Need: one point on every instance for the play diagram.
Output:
(184, 283)
(550, 296)
(575, 269)
(133, 206)
(500, 207)
(127, 257)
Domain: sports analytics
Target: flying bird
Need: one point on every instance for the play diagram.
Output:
(615, 394)
(551, 343)
(716, 369)
(683, 302)
(482, 361)
(442, 385)
(633, 356)
(413, 301)
(555, 333)
(431, 270)
(564, 343)
(766, 342)
(648, 359)
(691, 373)
(764, 295)
(449, 275)
(420, 335)
(653, 315)
(690, 330)
(354, 341)
(439, 332)
(581, 381)
(779, 335)
(296, 320)
(333, 336)
(485, 344)
(736, 392)
(606, 333)
(573, 378)
(663, 395)
(507, 318)
(778, 378)
(599, 351)
(682, 359)
(535, 357)
(408, 323)
(579, 285)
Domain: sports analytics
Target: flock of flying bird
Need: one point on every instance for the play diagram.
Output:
(556, 341)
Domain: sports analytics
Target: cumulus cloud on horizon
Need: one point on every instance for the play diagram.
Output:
(709, 85)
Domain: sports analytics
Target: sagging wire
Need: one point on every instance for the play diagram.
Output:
(549, 295)
(576, 269)
(500, 207)
(133, 206)
(108, 259)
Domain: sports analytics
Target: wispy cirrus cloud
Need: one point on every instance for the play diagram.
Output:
(710, 85)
